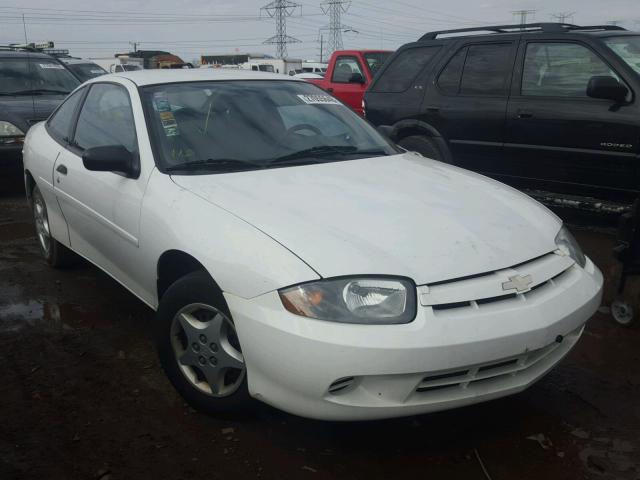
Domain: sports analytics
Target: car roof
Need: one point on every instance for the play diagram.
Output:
(75, 61)
(23, 54)
(157, 77)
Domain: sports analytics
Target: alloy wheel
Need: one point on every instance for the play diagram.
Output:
(207, 350)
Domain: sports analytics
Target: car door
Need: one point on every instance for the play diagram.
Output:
(341, 85)
(397, 92)
(559, 139)
(102, 209)
(467, 103)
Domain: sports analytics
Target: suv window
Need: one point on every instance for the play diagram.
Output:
(449, 80)
(59, 125)
(560, 69)
(486, 70)
(106, 119)
(345, 67)
(477, 70)
(404, 69)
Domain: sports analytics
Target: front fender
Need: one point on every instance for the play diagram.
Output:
(243, 260)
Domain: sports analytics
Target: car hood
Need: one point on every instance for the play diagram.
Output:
(401, 215)
(25, 110)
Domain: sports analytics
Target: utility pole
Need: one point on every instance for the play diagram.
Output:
(280, 10)
(335, 9)
(523, 14)
(24, 26)
(134, 45)
(563, 17)
(321, 48)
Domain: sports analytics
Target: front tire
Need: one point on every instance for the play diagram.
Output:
(55, 253)
(199, 348)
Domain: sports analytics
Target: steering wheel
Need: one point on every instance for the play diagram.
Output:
(303, 126)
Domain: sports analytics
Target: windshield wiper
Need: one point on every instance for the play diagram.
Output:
(328, 150)
(39, 91)
(222, 165)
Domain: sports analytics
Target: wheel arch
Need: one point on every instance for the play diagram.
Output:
(175, 264)
(408, 128)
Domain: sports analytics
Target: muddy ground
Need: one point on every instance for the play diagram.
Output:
(82, 397)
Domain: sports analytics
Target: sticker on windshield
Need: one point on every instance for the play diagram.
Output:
(97, 72)
(55, 66)
(163, 107)
(318, 99)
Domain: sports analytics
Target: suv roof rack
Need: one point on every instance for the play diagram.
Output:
(528, 27)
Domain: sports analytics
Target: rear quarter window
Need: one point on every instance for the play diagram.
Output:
(404, 69)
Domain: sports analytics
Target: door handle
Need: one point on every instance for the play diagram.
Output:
(61, 169)
(433, 110)
(522, 114)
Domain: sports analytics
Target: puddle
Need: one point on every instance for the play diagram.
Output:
(17, 316)
(15, 231)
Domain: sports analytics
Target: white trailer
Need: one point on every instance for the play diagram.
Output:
(121, 63)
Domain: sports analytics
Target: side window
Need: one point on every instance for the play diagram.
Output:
(560, 69)
(449, 79)
(345, 67)
(106, 119)
(59, 125)
(404, 69)
(486, 70)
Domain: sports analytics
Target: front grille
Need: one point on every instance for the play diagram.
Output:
(486, 289)
(478, 375)
(341, 385)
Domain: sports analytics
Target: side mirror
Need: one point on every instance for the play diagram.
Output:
(114, 158)
(607, 88)
(357, 78)
(387, 131)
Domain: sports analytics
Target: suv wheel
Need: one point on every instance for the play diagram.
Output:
(423, 145)
(199, 348)
(56, 254)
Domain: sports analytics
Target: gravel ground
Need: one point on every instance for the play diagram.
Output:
(82, 396)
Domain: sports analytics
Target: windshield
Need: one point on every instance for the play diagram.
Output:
(248, 125)
(39, 76)
(86, 71)
(376, 60)
(628, 48)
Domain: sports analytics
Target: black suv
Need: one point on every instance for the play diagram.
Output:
(549, 108)
(32, 85)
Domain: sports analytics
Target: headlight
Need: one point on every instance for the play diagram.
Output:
(10, 130)
(363, 300)
(569, 246)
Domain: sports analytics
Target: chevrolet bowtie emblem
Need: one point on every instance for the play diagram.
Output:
(519, 283)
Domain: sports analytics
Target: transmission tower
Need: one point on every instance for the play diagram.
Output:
(563, 17)
(523, 14)
(335, 9)
(280, 10)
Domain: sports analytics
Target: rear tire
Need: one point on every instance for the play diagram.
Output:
(198, 347)
(425, 146)
(55, 253)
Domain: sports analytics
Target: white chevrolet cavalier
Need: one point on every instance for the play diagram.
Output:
(295, 256)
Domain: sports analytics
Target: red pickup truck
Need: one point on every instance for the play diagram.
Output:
(349, 74)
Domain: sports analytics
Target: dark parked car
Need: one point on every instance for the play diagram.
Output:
(550, 108)
(32, 85)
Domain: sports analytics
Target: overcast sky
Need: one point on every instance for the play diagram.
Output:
(190, 28)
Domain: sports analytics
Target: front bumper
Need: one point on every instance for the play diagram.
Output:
(10, 154)
(334, 371)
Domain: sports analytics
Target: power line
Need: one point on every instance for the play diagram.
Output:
(280, 10)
